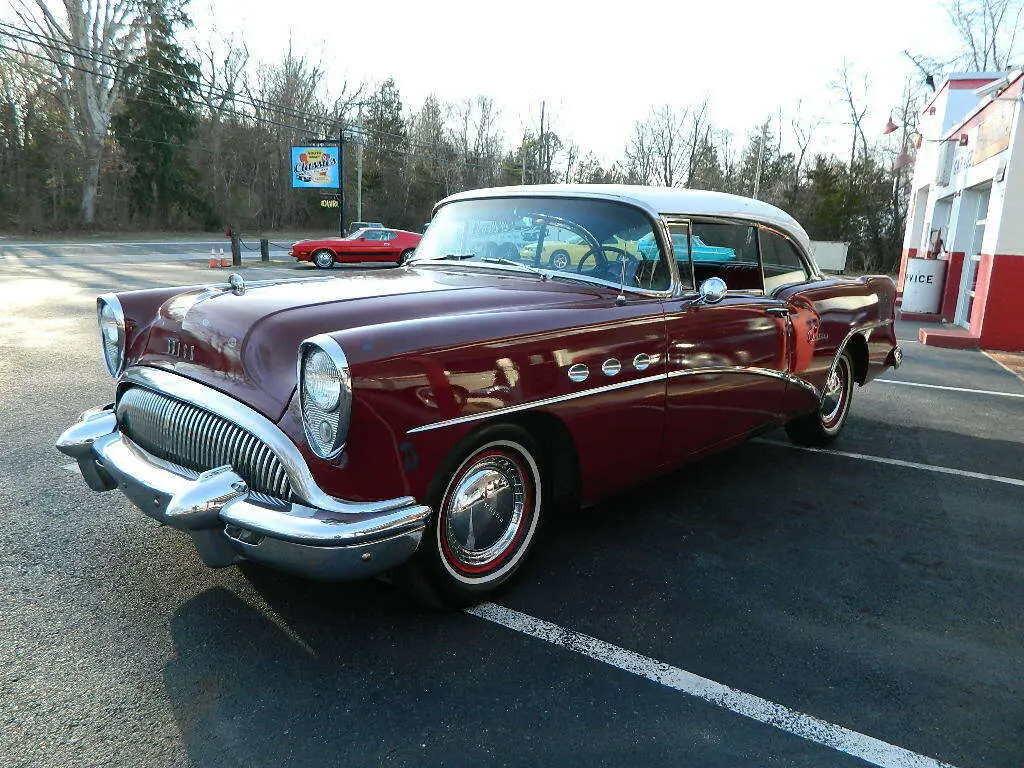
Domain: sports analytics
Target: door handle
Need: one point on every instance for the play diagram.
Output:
(778, 311)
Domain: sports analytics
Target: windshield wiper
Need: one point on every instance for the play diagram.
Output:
(445, 257)
(519, 264)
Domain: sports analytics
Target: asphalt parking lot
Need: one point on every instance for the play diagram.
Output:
(767, 606)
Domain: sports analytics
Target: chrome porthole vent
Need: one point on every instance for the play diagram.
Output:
(642, 362)
(579, 372)
(611, 367)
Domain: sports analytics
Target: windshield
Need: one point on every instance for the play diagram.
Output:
(594, 239)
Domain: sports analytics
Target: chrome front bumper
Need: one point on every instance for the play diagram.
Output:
(227, 523)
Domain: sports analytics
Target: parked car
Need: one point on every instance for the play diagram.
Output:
(560, 248)
(424, 421)
(371, 245)
(648, 246)
(355, 226)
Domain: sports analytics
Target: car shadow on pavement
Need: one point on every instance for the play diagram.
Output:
(851, 590)
(320, 678)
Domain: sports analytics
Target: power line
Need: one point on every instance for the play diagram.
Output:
(255, 118)
(63, 47)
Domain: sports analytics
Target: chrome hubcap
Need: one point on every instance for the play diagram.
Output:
(835, 394)
(485, 511)
(323, 259)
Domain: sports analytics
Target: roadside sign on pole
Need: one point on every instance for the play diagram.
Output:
(316, 167)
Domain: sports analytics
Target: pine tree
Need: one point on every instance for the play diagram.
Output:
(386, 155)
(158, 120)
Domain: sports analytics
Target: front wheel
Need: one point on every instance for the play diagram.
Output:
(560, 260)
(406, 255)
(824, 425)
(323, 259)
(487, 500)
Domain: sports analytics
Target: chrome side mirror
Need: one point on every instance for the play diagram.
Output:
(712, 290)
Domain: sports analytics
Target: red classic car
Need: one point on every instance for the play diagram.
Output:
(423, 421)
(369, 245)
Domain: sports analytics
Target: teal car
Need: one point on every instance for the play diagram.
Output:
(701, 250)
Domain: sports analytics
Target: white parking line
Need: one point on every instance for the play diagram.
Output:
(908, 341)
(1005, 367)
(951, 389)
(72, 467)
(819, 731)
(225, 243)
(894, 462)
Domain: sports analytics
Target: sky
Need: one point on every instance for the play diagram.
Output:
(599, 66)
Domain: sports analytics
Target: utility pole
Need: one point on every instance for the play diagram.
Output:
(760, 159)
(341, 178)
(359, 168)
(540, 149)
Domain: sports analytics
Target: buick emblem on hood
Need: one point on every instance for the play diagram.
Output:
(182, 351)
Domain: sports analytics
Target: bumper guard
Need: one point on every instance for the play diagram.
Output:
(228, 524)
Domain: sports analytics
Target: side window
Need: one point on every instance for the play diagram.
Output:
(782, 262)
(625, 251)
(625, 248)
(728, 251)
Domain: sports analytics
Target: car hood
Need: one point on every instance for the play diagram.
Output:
(324, 241)
(246, 345)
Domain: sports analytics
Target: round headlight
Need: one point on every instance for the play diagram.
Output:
(321, 380)
(325, 395)
(112, 333)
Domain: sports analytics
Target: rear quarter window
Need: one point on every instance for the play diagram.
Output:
(781, 261)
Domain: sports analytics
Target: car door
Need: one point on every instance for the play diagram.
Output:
(385, 250)
(727, 362)
(372, 246)
(354, 248)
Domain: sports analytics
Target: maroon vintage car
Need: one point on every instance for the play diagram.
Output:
(370, 245)
(424, 421)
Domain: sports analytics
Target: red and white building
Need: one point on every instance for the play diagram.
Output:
(967, 209)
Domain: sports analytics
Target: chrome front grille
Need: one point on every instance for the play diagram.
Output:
(187, 435)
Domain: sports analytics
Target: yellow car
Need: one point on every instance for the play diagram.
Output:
(562, 249)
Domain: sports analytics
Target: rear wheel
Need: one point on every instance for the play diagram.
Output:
(323, 259)
(825, 424)
(487, 500)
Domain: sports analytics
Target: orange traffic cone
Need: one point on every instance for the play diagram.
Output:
(225, 262)
(214, 263)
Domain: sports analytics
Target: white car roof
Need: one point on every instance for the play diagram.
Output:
(662, 201)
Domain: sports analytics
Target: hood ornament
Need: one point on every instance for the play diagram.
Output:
(237, 283)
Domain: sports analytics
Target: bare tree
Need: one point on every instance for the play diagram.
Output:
(803, 134)
(640, 154)
(666, 133)
(223, 65)
(988, 31)
(852, 96)
(697, 140)
(90, 47)
(478, 139)
(572, 157)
